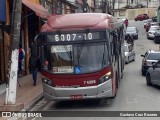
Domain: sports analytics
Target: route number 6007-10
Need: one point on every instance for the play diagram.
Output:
(73, 37)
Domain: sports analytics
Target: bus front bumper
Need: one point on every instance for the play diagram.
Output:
(103, 90)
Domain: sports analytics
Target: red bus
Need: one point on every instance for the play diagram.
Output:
(81, 56)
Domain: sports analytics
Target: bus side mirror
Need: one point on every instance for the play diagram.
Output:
(35, 38)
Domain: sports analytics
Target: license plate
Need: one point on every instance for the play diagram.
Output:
(76, 97)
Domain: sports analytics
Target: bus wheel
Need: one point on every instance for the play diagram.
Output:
(115, 94)
(117, 84)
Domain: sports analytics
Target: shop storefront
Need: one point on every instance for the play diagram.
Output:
(2, 48)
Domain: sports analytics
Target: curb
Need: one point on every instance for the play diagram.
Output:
(33, 102)
(28, 107)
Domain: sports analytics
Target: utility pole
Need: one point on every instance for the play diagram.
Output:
(13, 53)
(26, 46)
(7, 36)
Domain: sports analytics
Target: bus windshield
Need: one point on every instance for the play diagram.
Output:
(75, 58)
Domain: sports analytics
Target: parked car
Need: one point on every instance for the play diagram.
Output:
(149, 24)
(133, 31)
(146, 21)
(142, 17)
(157, 37)
(153, 74)
(151, 32)
(149, 58)
(129, 53)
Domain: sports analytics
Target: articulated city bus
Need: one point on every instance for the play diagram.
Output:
(81, 56)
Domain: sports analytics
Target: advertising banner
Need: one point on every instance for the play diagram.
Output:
(3, 11)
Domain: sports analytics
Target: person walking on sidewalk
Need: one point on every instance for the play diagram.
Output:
(20, 60)
(33, 66)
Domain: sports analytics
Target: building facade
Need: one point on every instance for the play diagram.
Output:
(32, 18)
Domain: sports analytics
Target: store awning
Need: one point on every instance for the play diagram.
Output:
(37, 8)
(3, 11)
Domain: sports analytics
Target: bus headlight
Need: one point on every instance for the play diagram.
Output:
(104, 78)
(47, 81)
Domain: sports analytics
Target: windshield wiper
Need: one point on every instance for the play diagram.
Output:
(69, 54)
(79, 51)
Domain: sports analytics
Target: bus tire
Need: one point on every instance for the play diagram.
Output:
(117, 85)
(115, 94)
(117, 82)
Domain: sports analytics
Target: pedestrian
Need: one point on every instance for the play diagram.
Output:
(20, 60)
(126, 22)
(34, 66)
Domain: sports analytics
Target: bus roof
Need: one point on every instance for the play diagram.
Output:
(81, 21)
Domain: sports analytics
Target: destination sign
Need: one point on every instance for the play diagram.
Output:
(73, 37)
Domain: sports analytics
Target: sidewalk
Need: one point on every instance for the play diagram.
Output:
(27, 94)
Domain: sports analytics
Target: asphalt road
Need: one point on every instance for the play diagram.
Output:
(133, 93)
